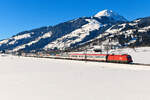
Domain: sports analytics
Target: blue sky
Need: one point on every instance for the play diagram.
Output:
(21, 15)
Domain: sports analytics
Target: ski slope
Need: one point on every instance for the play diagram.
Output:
(52, 79)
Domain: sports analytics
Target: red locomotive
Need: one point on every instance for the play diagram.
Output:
(119, 58)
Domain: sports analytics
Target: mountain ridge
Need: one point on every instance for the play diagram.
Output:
(77, 32)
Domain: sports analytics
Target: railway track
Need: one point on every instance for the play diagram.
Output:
(87, 60)
(141, 64)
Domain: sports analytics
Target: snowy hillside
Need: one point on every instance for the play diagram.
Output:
(67, 34)
(131, 34)
(75, 36)
(48, 79)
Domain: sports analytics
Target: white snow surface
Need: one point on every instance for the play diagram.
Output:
(78, 34)
(15, 39)
(46, 35)
(50, 79)
(3, 42)
(21, 36)
(110, 14)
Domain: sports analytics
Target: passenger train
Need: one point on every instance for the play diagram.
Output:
(124, 58)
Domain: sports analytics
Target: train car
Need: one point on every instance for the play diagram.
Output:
(120, 58)
(94, 57)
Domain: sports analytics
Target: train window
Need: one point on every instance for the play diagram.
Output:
(97, 56)
(88, 56)
(91, 56)
(100, 56)
(74, 56)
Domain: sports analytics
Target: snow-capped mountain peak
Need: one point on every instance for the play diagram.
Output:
(104, 13)
(110, 14)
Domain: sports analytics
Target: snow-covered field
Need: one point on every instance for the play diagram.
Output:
(49, 79)
(139, 55)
